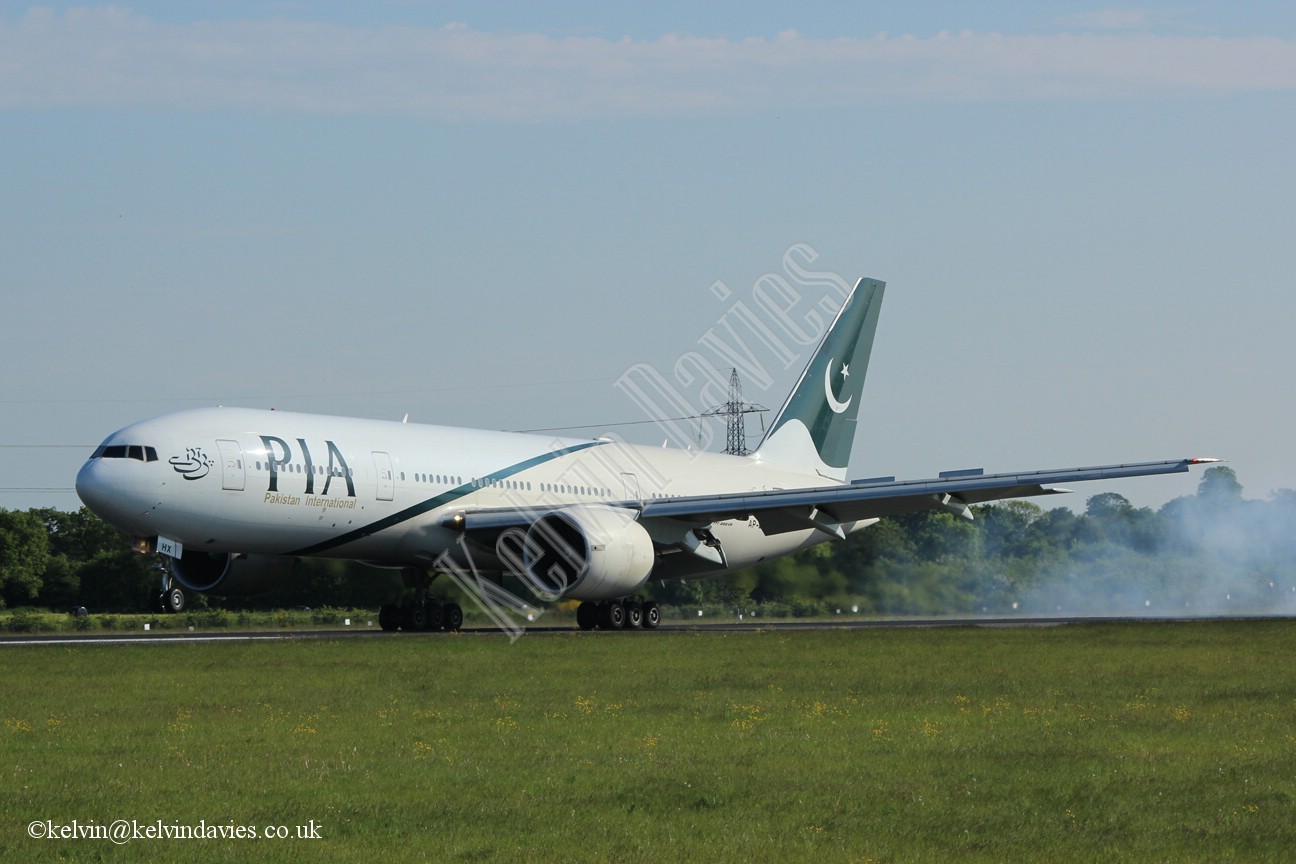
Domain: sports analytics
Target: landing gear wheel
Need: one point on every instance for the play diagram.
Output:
(435, 615)
(614, 616)
(651, 616)
(389, 617)
(453, 619)
(415, 617)
(587, 615)
(634, 614)
(173, 600)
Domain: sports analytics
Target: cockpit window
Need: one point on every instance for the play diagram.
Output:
(139, 452)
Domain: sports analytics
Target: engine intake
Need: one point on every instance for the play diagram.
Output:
(587, 553)
(231, 575)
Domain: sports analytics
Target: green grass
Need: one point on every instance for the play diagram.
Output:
(1103, 742)
(19, 621)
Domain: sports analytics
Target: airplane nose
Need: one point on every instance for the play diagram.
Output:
(91, 489)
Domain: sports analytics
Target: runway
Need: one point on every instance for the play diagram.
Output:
(174, 638)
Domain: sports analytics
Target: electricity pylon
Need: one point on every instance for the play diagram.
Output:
(734, 411)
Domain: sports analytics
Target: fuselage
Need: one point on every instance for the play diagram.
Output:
(284, 483)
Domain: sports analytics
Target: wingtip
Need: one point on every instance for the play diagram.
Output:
(1202, 460)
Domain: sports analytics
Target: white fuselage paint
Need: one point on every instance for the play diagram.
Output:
(283, 483)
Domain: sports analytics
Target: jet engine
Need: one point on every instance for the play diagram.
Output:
(587, 553)
(231, 575)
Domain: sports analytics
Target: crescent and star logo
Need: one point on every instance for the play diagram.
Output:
(837, 407)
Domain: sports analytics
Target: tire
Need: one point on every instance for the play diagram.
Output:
(651, 616)
(634, 615)
(614, 616)
(416, 617)
(587, 615)
(173, 601)
(435, 615)
(453, 617)
(388, 617)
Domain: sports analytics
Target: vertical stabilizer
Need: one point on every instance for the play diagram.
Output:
(815, 428)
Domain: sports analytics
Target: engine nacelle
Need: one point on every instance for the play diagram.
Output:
(231, 575)
(587, 553)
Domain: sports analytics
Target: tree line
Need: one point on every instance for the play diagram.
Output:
(1214, 552)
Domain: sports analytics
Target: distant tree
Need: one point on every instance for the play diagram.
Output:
(1108, 505)
(686, 592)
(1012, 530)
(1110, 518)
(809, 575)
(1216, 518)
(91, 564)
(1219, 486)
(60, 583)
(24, 551)
(887, 539)
(942, 537)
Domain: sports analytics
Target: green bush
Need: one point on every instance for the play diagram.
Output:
(327, 616)
(808, 608)
(27, 621)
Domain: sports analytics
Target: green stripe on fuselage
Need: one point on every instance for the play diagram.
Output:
(436, 501)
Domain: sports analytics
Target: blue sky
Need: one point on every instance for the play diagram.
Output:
(483, 214)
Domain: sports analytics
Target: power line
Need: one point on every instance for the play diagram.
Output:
(283, 396)
(48, 446)
(608, 425)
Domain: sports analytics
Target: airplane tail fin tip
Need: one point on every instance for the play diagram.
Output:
(815, 428)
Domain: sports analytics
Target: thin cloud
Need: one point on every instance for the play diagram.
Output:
(113, 58)
(1107, 19)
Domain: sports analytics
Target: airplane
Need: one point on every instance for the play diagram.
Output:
(232, 497)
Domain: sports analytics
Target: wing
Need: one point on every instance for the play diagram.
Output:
(830, 508)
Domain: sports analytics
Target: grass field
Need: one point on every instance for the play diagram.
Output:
(1169, 742)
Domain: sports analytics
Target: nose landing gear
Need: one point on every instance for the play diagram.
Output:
(171, 598)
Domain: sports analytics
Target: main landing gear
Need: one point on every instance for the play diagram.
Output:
(419, 612)
(420, 615)
(627, 614)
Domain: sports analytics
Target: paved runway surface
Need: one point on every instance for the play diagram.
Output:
(168, 637)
